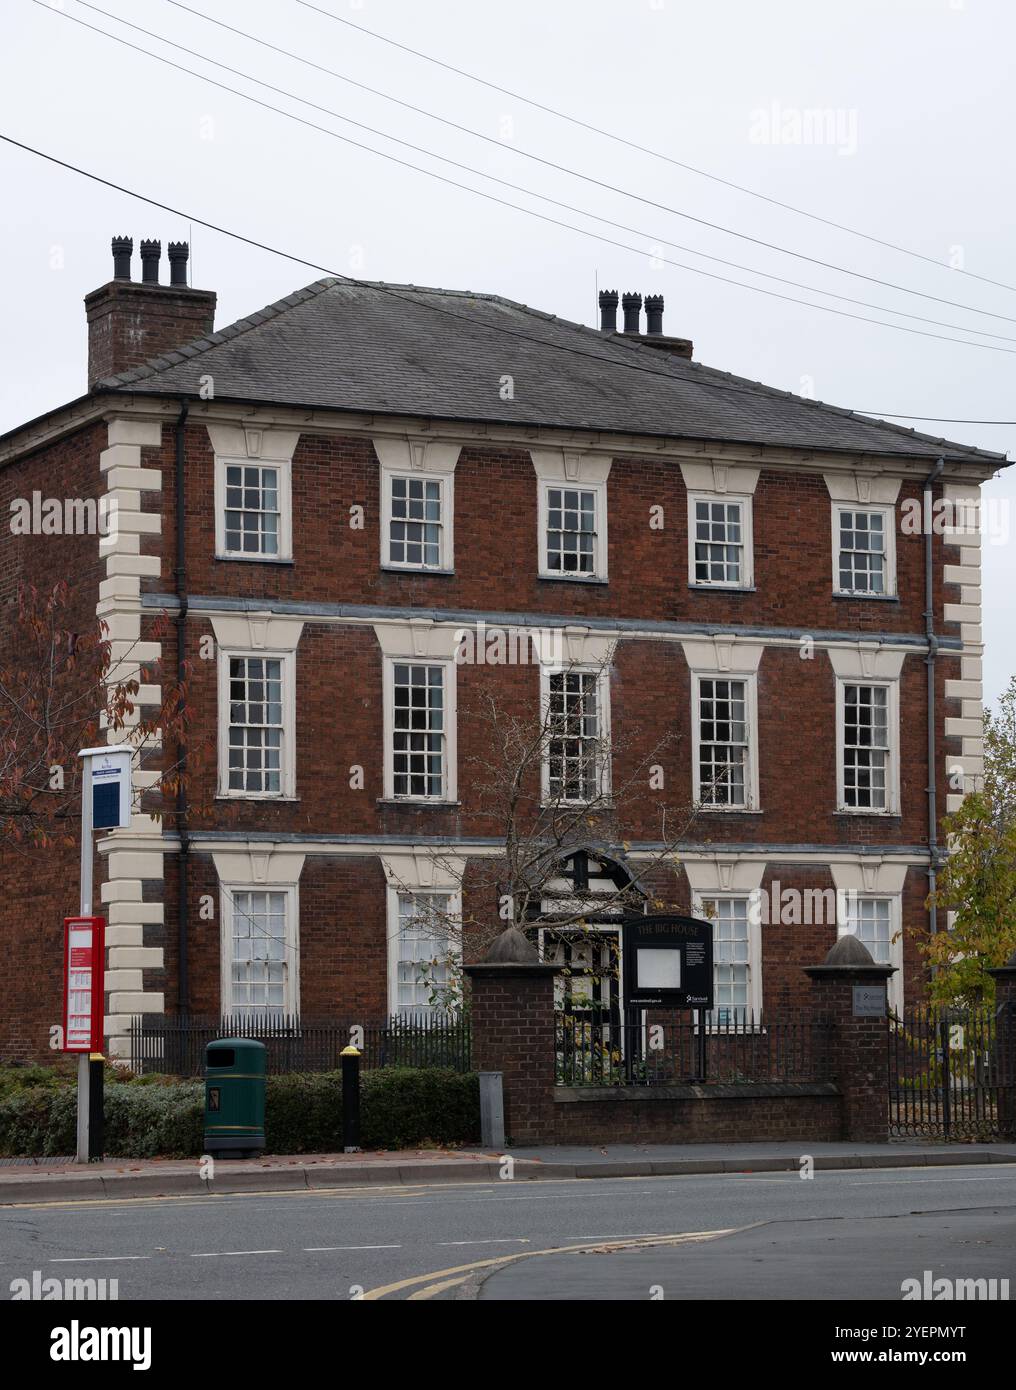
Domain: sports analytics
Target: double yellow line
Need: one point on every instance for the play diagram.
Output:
(438, 1280)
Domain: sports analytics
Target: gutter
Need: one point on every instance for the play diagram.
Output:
(180, 578)
(929, 660)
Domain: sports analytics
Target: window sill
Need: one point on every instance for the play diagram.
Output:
(861, 811)
(255, 559)
(729, 810)
(418, 570)
(573, 579)
(722, 588)
(253, 796)
(399, 803)
(876, 598)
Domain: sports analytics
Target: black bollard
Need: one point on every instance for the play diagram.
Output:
(96, 1108)
(350, 1100)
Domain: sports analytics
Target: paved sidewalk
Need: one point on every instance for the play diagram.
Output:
(59, 1180)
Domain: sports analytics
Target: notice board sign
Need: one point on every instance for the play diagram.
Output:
(84, 977)
(108, 783)
(668, 961)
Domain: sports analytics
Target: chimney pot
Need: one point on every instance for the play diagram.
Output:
(631, 304)
(123, 249)
(179, 251)
(608, 311)
(151, 251)
(654, 313)
(130, 323)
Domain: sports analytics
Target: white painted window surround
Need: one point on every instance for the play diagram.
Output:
(421, 875)
(866, 889)
(581, 652)
(265, 459)
(733, 882)
(258, 637)
(420, 643)
(259, 928)
(721, 548)
(858, 670)
(864, 495)
(571, 494)
(422, 472)
(864, 551)
(718, 662)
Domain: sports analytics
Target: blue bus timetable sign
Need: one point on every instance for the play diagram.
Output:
(108, 782)
(668, 962)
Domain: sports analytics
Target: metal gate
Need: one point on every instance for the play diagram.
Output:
(952, 1073)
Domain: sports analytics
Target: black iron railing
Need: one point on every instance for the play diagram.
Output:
(176, 1046)
(952, 1072)
(670, 1047)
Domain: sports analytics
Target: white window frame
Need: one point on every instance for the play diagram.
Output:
(394, 893)
(284, 468)
(894, 983)
(287, 761)
(892, 781)
(446, 483)
(746, 503)
(449, 791)
(604, 770)
(291, 1003)
(752, 900)
(888, 514)
(600, 548)
(751, 785)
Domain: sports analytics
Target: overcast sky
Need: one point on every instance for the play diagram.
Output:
(915, 148)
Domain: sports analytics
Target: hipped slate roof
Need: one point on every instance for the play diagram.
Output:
(403, 350)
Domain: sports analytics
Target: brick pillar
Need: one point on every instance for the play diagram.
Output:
(860, 1039)
(1005, 1045)
(512, 1022)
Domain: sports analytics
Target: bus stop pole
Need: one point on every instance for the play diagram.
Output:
(84, 1073)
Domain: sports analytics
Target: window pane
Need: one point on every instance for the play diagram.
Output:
(723, 743)
(571, 531)
(718, 543)
(252, 521)
(418, 737)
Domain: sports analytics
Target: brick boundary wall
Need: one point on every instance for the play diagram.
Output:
(513, 1033)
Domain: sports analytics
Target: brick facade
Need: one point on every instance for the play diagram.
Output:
(338, 837)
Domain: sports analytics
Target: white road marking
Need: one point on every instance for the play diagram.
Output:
(501, 1240)
(212, 1254)
(79, 1259)
(314, 1249)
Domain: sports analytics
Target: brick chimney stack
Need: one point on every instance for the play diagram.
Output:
(129, 322)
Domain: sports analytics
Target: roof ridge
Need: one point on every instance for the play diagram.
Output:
(665, 365)
(196, 346)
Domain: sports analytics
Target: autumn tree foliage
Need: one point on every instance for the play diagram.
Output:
(978, 880)
(60, 692)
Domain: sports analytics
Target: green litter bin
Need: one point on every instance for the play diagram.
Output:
(235, 1098)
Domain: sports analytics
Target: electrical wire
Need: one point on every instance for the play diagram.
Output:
(539, 159)
(695, 270)
(723, 386)
(643, 149)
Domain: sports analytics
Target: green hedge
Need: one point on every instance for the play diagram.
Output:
(400, 1108)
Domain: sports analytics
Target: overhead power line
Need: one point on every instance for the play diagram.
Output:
(560, 168)
(722, 386)
(529, 212)
(656, 154)
(538, 159)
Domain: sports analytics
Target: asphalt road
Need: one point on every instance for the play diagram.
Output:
(851, 1234)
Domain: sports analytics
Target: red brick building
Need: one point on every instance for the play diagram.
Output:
(324, 496)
